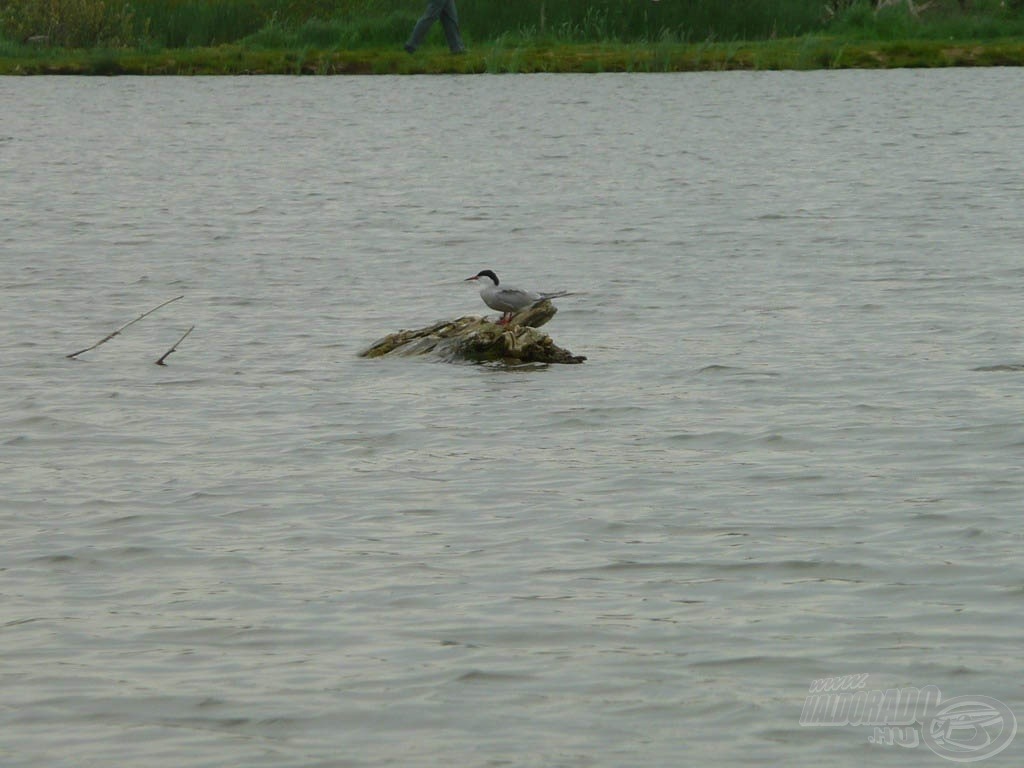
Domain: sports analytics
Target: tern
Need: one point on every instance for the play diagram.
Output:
(508, 300)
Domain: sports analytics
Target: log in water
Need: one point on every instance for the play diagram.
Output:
(477, 339)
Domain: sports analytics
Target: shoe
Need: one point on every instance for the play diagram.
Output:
(409, 48)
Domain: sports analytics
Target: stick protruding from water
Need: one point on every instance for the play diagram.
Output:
(167, 354)
(114, 333)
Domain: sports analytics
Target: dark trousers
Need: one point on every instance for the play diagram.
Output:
(445, 11)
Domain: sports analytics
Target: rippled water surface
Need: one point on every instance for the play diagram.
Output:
(794, 452)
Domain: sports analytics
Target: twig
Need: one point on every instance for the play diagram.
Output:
(169, 351)
(114, 333)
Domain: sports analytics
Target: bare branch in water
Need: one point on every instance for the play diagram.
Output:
(116, 332)
(169, 351)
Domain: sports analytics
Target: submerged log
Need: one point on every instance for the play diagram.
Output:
(479, 340)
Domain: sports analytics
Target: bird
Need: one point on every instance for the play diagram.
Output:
(505, 299)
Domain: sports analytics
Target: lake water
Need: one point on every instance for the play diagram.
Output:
(795, 451)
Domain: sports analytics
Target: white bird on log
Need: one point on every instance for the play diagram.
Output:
(506, 299)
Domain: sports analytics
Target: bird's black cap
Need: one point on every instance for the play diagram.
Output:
(488, 273)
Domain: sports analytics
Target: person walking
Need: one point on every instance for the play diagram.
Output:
(445, 11)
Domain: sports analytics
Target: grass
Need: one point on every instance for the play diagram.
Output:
(792, 53)
(365, 36)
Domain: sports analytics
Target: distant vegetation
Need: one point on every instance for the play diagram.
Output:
(365, 36)
(355, 24)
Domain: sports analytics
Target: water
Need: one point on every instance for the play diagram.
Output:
(795, 450)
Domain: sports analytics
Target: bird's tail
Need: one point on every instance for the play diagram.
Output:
(556, 295)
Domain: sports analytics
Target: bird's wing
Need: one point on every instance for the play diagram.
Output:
(513, 299)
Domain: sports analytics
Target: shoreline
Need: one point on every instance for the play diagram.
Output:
(812, 52)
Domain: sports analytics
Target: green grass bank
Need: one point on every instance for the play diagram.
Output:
(150, 37)
(796, 54)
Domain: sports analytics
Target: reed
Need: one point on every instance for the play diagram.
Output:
(67, 23)
(984, 20)
(196, 23)
(642, 20)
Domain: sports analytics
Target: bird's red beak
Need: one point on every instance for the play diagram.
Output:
(474, 277)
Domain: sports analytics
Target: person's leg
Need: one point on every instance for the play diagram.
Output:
(450, 24)
(434, 10)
